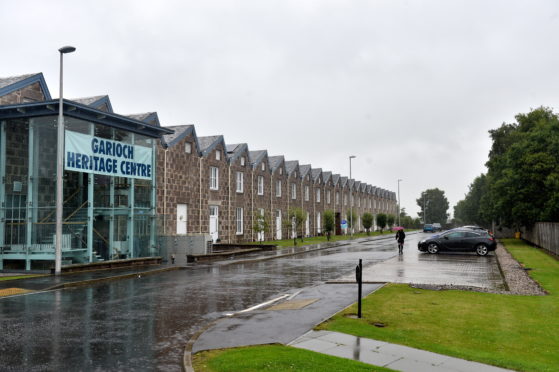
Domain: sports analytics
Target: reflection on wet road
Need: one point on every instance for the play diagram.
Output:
(144, 323)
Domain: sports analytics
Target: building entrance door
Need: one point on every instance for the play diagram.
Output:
(181, 219)
(278, 224)
(338, 224)
(214, 210)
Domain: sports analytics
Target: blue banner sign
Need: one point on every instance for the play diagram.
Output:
(89, 154)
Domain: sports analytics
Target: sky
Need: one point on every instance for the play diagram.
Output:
(411, 88)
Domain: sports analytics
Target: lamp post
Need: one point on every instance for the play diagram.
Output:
(60, 169)
(350, 200)
(399, 202)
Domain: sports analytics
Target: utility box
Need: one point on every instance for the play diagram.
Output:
(184, 245)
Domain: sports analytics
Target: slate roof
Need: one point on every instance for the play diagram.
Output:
(256, 157)
(236, 150)
(148, 117)
(335, 179)
(304, 170)
(350, 183)
(12, 83)
(291, 166)
(326, 176)
(275, 161)
(181, 131)
(208, 143)
(95, 102)
(357, 185)
(343, 181)
(315, 173)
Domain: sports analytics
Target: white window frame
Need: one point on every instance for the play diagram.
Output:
(242, 161)
(337, 197)
(306, 192)
(188, 147)
(240, 182)
(293, 191)
(214, 178)
(263, 166)
(318, 195)
(278, 188)
(260, 185)
(328, 196)
(217, 155)
(239, 221)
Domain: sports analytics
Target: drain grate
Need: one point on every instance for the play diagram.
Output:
(293, 304)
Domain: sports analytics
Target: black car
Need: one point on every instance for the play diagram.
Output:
(459, 240)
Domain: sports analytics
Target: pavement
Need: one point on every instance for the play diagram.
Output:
(290, 320)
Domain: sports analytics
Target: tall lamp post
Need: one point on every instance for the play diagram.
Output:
(399, 202)
(60, 169)
(350, 200)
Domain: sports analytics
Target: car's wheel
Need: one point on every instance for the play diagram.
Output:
(432, 248)
(482, 250)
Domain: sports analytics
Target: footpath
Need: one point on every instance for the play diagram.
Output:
(290, 320)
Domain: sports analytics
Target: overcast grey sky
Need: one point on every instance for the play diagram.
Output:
(409, 87)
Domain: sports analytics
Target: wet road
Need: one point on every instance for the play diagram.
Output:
(144, 323)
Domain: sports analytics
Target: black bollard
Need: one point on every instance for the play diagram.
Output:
(359, 277)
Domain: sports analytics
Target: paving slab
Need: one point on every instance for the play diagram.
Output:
(397, 357)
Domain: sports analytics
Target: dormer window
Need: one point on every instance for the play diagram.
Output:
(217, 155)
(263, 166)
(188, 148)
(242, 161)
(281, 171)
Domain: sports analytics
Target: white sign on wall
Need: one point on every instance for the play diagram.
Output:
(89, 154)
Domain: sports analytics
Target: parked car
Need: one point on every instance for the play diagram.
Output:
(428, 227)
(437, 227)
(459, 240)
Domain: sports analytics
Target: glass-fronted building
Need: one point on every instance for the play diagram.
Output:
(109, 185)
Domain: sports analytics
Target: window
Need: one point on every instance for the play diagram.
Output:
(306, 193)
(188, 148)
(214, 178)
(281, 171)
(318, 195)
(242, 161)
(345, 199)
(260, 185)
(240, 179)
(278, 188)
(239, 220)
(328, 196)
(263, 167)
(293, 191)
(217, 155)
(337, 197)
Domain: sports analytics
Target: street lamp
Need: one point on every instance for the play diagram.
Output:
(399, 202)
(350, 200)
(60, 169)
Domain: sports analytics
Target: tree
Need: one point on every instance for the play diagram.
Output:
(297, 218)
(329, 223)
(469, 211)
(390, 220)
(381, 221)
(367, 219)
(434, 206)
(260, 225)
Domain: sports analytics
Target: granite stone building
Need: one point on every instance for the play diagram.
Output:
(115, 208)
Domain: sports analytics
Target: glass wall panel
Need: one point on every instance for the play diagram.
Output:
(17, 163)
(142, 233)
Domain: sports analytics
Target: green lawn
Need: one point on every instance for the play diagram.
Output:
(321, 239)
(13, 277)
(274, 358)
(516, 332)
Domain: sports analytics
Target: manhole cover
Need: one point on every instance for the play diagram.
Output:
(293, 304)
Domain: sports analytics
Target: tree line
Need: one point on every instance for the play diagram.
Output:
(521, 186)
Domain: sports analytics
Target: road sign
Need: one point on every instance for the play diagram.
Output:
(344, 224)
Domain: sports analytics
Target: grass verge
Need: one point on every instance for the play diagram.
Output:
(516, 332)
(285, 243)
(14, 277)
(274, 358)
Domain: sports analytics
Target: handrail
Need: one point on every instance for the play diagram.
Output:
(76, 211)
(101, 236)
(65, 201)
